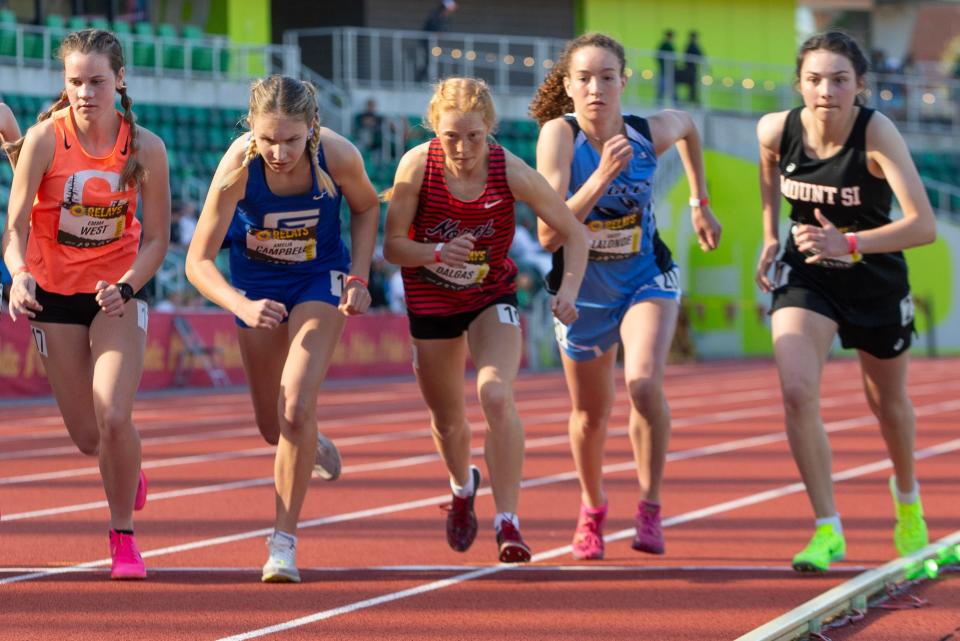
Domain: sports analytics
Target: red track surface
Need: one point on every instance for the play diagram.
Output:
(372, 551)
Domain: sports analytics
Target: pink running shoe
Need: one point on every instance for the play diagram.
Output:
(649, 536)
(141, 499)
(588, 537)
(127, 562)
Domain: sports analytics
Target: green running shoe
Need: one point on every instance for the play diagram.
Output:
(825, 546)
(910, 532)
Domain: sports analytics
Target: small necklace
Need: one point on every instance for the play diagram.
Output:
(599, 141)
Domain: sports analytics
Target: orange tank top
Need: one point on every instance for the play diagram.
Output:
(83, 228)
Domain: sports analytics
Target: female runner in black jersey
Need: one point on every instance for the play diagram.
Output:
(841, 272)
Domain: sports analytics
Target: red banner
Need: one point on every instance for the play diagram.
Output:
(371, 345)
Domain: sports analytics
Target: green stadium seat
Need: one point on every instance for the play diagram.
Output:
(57, 26)
(100, 23)
(147, 115)
(6, 172)
(144, 49)
(172, 50)
(76, 23)
(201, 55)
(8, 33)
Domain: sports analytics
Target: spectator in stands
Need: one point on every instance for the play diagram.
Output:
(395, 298)
(667, 66)
(603, 163)
(437, 20)
(955, 92)
(526, 250)
(824, 287)
(378, 280)
(368, 128)
(693, 55)
(75, 247)
(183, 223)
(280, 189)
(449, 225)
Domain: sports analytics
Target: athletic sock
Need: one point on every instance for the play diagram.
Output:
(464, 491)
(907, 498)
(127, 532)
(506, 516)
(287, 538)
(832, 520)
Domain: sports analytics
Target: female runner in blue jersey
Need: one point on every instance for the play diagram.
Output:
(276, 197)
(603, 162)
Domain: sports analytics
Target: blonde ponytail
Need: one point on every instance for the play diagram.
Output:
(230, 179)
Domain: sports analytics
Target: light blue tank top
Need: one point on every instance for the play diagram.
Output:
(625, 249)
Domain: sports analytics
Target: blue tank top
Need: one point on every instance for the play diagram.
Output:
(625, 248)
(273, 238)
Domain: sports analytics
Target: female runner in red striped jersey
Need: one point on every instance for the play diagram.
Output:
(449, 225)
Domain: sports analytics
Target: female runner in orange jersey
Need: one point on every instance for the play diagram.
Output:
(78, 256)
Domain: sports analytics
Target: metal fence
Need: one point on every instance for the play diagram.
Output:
(361, 58)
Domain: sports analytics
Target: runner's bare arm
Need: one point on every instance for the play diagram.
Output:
(215, 217)
(530, 187)
(398, 247)
(155, 203)
(769, 133)
(886, 147)
(346, 168)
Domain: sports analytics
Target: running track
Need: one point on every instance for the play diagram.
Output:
(372, 550)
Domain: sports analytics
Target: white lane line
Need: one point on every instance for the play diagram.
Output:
(679, 397)
(620, 411)
(428, 569)
(694, 515)
(536, 482)
(752, 441)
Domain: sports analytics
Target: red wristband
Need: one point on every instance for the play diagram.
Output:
(359, 279)
(22, 269)
(852, 243)
(436, 253)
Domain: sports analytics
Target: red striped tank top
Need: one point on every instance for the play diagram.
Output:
(439, 289)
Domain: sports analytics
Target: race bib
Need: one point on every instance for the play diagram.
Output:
(84, 224)
(906, 310)
(91, 225)
(470, 274)
(615, 239)
(282, 246)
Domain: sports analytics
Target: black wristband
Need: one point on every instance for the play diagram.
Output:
(126, 291)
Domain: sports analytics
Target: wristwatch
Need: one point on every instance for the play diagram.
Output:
(126, 291)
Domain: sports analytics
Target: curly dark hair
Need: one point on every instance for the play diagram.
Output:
(551, 100)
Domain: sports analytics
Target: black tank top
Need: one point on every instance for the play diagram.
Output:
(853, 199)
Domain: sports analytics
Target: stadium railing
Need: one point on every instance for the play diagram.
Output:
(925, 99)
(160, 54)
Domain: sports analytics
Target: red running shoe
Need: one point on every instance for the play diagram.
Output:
(461, 519)
(649, 536)
(512, 547)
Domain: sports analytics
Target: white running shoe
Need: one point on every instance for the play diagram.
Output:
(281, 566)
(327, 463)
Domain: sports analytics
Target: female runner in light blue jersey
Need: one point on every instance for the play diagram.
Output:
(276, 196)
(603, 163)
